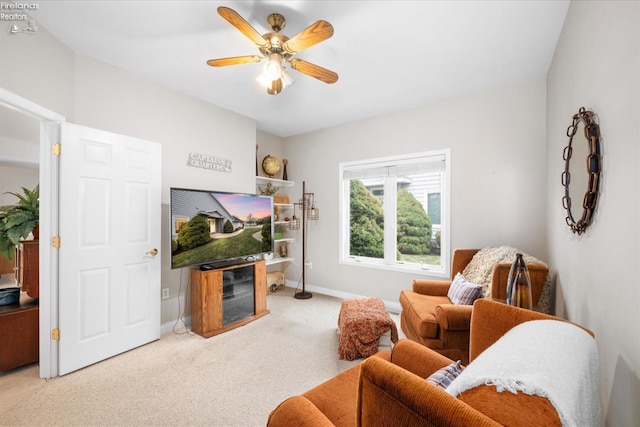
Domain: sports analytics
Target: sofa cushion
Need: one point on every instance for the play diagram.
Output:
(420, 311)
(443, 377)
(462, 291)
(342, 388)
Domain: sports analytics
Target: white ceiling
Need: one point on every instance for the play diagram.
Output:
(390, 55)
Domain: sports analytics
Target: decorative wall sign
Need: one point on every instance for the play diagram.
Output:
(205, 161)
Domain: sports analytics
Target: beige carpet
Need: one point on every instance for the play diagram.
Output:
(232, 379)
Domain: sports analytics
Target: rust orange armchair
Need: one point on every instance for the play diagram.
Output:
(431, 319)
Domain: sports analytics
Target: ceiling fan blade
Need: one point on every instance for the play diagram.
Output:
(314, 71)
(241, 24)
(234, 60)
(310, 36)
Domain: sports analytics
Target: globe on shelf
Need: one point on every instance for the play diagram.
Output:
(271, 165)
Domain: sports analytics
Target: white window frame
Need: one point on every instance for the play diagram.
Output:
(389, 262)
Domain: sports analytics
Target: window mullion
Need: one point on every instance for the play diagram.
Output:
(390, 219)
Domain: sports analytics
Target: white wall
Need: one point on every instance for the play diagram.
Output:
(13, 179)
(597, 65)
(39, 68)
(19, 153)
(110, 99)
(268, 144)
(498, 193)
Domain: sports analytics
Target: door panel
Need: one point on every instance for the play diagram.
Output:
(110, 221)
(93, 292)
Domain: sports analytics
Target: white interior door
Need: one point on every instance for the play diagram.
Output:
(109, 271)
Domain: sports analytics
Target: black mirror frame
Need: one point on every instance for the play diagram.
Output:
(594, 168)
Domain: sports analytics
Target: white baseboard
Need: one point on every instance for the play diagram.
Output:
(392, 306)
(171, 305)
(174, 306)
(165, 328)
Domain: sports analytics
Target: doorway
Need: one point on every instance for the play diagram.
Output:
(27, 116)
(131, 213)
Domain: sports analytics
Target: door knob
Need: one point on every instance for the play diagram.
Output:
(153, 252)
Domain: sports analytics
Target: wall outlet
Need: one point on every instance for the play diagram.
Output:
(309, 264)
(165, 293)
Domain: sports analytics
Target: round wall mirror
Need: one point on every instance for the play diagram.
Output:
(581, 183)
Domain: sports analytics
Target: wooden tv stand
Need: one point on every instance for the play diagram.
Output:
(208, 299)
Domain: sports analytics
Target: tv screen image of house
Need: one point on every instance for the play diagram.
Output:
(208, 227)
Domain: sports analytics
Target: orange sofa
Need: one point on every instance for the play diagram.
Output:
(389, 389)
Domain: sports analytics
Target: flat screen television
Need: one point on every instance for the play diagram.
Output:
(215, 228)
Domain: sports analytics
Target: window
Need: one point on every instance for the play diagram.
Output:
(394, 213)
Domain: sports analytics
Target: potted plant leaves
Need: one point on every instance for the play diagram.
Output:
(19, 220)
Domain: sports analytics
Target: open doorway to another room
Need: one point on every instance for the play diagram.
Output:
(20, 173)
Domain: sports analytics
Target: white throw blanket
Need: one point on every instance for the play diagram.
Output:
(549, 358)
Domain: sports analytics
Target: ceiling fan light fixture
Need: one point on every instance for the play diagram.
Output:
(286, 78)
(275, 87)
(273, 68)
(263, 80)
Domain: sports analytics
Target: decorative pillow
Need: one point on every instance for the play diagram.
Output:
(443, 377)
(462, 291)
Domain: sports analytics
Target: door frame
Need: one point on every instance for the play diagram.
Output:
(50, 125)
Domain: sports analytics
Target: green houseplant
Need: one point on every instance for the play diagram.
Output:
(18, 220)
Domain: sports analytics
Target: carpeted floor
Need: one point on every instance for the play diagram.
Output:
(232, 379)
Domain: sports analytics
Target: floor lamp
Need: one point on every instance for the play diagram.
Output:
(309, 212)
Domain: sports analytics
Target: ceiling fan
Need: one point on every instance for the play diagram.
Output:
(277, 49)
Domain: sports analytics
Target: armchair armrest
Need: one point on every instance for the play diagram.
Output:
(389, 395)
(454, 317)
(431, 287)
(417, 359)
(298, 411)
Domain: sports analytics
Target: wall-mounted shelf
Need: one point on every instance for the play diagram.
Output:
(282, 222)
(286, 239)
(279, 260)
(261, 180)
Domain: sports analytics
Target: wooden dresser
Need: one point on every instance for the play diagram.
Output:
(19, 330)
(19, 323)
